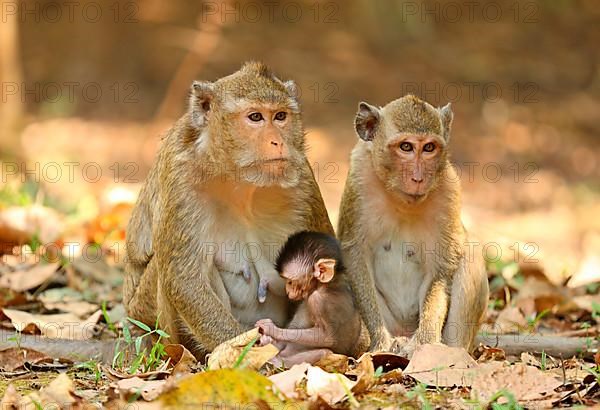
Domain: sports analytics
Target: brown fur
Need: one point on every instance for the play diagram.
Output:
(327, 319)
(201, 195)
(397, 207)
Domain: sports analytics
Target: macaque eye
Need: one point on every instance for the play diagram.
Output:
(281, 115)
(406, 146)
(429, 147)
(255, 116)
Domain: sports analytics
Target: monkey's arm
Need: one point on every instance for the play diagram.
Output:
(360, 269)
(139, 228)
(363, 287)
(434, 312)
(185, 271)
(310, 337)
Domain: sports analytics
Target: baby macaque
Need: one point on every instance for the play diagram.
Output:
(326, 320)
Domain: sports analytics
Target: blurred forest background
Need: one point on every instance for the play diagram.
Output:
(88, 87)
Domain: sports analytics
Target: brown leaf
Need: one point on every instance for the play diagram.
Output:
(530, 360)
(79, 309)
(226, 354)
(589, 272)
(19, 224)
(23, 280)
(365, 374)
(392, 377)
(61, 392)
(14, 358)
(59, 326)
(440, 365)
(287, 380)
(389, 361)
(526, 383)
(182, 359)
(329, 386)
(11, 399)
(334, 363)
(510, 320)
(486, 354)
(147, 389)
(116, 375)
(9, 297)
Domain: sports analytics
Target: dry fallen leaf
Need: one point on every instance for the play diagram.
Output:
(11, 398)
(510, 320)
(19, 224)
(331, 387)
(14, 358)
(115, 375)
(287, 380)
(148, 389)
(365, 374)
(79, 309)
(23, 280)
(58, 395)
(389, 361)
(536, 295)
(588, 272)
(440, 365)
(526, 383)
(224, 388)
(226, 354)
(59, 326)
(181, 358)
(486, 353)
(61, 392)
(334, 363)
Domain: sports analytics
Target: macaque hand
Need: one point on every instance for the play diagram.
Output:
(267, 327)
(402, 345)
(265, 340)
(384, 343)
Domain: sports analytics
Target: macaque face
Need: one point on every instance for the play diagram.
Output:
(250, 125)
(303, 279)
(268, 141)
(414, 160)
(407, 139)
(299, 281)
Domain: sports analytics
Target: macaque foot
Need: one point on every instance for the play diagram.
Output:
(308, 356)
(384, 344)
(266, 327)
(404, 346)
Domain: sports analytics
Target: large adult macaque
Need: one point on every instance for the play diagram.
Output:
(230, 184)
(410, 266)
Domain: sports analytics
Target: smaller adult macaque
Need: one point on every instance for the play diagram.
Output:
(326, 320)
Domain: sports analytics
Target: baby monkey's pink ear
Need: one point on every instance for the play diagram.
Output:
(324, 270)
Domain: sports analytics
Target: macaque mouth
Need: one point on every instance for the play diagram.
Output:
(414, 198)
(274, 160)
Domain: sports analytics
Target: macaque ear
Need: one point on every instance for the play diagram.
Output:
(446, 115)
(291, 88)
(201, 99)
(324, 270)
(366, 121)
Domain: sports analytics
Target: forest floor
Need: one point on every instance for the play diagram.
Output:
(45, 294)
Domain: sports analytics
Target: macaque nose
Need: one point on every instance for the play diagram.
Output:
(417, 179)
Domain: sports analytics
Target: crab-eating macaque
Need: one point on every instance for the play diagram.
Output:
(409, 263)
(326, 320)
(231, 182)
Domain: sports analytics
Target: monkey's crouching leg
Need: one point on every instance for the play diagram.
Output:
(139, 293)
(468, 303)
